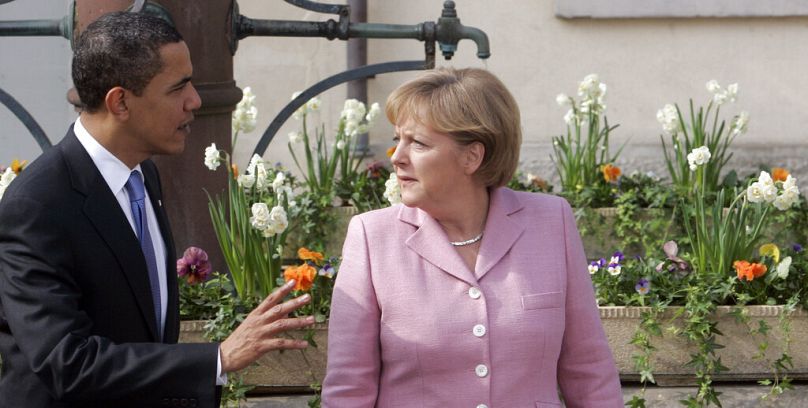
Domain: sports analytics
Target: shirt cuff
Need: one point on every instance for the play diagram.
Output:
(221, 378)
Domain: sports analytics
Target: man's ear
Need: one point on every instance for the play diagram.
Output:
(474, 155)
(115, 102)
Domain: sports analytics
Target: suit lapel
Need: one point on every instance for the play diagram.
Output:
(501, 230)
(430, 242)
(104, 212)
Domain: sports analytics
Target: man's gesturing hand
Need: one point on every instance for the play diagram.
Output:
(257, 334)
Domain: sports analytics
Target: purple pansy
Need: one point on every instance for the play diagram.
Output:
(194, 265)
(643, 286)
(797, 247)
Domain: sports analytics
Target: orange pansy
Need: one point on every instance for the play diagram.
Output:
(749, 271)
(303, 275)
(779, 174)
(307, 255)
(610, 172)
(390, 151)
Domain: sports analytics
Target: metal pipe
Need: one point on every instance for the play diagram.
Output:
(479, 37)
(370, 30)
(30, 28)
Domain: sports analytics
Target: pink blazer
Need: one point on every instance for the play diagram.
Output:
(412, 326)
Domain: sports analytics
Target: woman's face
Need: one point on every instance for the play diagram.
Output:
(431, 167)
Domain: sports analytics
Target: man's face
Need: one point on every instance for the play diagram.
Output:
(160, 118)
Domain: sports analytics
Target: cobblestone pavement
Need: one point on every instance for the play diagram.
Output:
(734, 396)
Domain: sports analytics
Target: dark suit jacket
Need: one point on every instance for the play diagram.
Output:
(77, 326)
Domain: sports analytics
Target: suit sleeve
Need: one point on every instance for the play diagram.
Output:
(352, 376)
(42, 306)
(587, 374)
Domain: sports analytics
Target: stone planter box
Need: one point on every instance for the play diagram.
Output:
(673, 352)
(291, 371)
(278, 371)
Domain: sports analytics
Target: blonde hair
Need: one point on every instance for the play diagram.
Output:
(470, 105)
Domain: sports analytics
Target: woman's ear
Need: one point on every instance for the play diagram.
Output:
(115, 102)
(473, 159)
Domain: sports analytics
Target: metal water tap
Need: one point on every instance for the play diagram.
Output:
(449, 31)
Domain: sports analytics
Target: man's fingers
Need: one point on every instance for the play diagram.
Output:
(276, 296)
(285, 344)
(283, 325)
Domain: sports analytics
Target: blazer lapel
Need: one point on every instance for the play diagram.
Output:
(171, 330)
(430, 242)
(103, 211)
(501, 230)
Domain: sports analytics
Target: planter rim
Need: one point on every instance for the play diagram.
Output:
(616, 312)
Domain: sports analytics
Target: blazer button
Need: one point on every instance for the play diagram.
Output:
(482, 406)
(184, 402)
(166, 402)
(481, 370)
(475, 293)
(479, 330)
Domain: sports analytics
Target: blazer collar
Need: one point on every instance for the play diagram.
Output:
(431, 243)
(103, 211)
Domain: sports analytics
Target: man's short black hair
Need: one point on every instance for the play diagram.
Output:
(119, 49)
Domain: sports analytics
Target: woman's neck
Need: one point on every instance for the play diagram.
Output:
(464, 218)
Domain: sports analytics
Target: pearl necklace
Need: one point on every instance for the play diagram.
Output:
(468, 241)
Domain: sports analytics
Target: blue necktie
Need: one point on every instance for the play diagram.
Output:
(137, 194)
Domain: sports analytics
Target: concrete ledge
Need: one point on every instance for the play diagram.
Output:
(679, 8)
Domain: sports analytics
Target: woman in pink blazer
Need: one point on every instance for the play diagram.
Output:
(469, 294)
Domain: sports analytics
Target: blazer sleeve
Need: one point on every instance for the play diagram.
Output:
(354, 364)
(42, 305)
(587, 374)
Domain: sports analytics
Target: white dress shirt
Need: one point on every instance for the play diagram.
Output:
(116, 174)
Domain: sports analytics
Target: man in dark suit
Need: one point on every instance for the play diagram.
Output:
(88, 298)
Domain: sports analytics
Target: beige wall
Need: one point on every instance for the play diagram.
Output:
(645, 62)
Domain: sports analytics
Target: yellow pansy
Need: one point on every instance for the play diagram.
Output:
(770, 250)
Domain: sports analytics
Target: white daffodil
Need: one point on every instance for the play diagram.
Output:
(755, 193)
(313, 104)
(668, 117)
(740, 122)
(340, 144)
(732, 92)
(720, 97)
(6, 179)
(392, 191)
(278, 220)
(260, 216)
(280, 179)
(570, 117)
(212, 157)
(373, 113)
(245, 114)
(713, 87)
(563, 100)
(246, 180)
(698, 157)
(259, 170)
(783, 268)
(295, 137)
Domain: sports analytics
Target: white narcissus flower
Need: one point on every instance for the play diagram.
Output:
(278, 220)
(245, 115)
(755, 193)
(720, 97)
(783, 268)
(570, 117)
(212, 157)
(668, 117)
(6, 179)
(589, 85)
(295, 137)
(246, 180)
(260, 216)
(739, 125)
(712, 86)
(698, 157)
(767, 187)
(732, 92)
(782, 202)
(563, 100)
(373, 113)
(313, 104)
(259, 170)
(340, 144)
(280, 178)
(392, 191)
